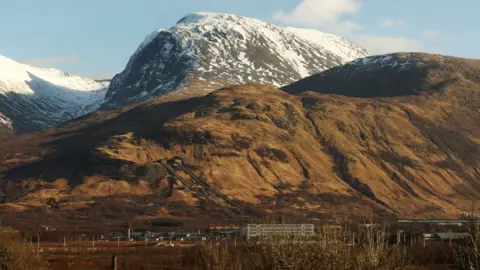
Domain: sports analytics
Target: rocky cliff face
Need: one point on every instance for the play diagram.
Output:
(222, 49)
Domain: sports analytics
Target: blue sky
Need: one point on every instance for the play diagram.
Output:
(95, 38)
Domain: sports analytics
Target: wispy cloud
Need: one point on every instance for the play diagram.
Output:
(103, 75)
(320, 13)
(391, 23)
(329, 15)
(438, 50)
(51, 61)
(379, 44)
(431, 33)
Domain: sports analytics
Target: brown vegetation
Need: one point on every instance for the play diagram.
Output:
(332, 250)
(467, 254)
(334, 247)
(16, 253)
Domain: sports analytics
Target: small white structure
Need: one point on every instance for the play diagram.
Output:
(255, 230)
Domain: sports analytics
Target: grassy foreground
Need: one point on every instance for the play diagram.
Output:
(332, 248)
(16, 253)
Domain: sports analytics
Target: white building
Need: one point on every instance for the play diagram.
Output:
(256, 230)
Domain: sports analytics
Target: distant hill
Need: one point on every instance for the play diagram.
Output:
(392, 75)
(33, 98)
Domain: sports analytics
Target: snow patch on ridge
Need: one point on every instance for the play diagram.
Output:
(4, 121)
(382, 61)
(335, 44)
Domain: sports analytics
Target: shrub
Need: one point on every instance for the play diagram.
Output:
(330, 249)
(467, 252)
(16, 253)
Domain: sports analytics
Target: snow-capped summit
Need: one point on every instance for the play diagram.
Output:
(214, 49)
(33, 98)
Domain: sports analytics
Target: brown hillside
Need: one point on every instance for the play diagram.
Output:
(393, 75)
(267, 151)
(5, 132)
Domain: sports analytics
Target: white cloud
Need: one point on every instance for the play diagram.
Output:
(432, 33)
(105, 75)
(377, 44)
(318, 13)
(49, 62)
(438, 50)
(344, 27)
(328, 15)
(391, 23)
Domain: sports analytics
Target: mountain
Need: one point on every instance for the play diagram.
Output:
(203, 51)
(34, 98)
(411, 150)
(208, 50)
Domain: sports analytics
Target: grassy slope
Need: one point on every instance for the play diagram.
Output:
(308, 154)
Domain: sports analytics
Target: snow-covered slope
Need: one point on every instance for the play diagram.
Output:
(34, 98)
(217, 49)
